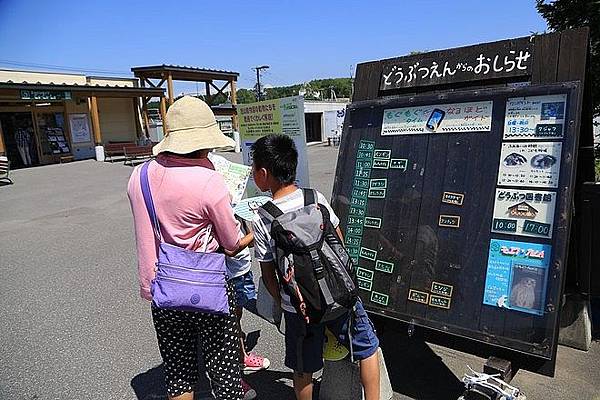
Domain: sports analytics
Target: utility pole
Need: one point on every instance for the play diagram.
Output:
(258, 91)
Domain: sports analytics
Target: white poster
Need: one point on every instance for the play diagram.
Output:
(524, 212)
(535, 118)
(282, 116)
(80, 128)
(441, 118)
(535, 164)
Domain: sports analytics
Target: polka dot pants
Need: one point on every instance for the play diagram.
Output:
(180, 333)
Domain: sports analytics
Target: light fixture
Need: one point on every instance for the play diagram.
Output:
(42, 104)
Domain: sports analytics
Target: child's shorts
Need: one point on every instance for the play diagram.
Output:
(364, 340)
(244, 288)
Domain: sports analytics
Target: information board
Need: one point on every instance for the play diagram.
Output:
(463, 231)
(283, 116)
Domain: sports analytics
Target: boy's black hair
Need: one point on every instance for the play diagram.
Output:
(278, 155)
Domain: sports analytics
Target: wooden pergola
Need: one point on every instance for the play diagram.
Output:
(156, 76)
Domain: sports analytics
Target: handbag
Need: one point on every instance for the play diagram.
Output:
(186, 280)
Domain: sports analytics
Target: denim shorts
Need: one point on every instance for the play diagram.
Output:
(244, 288)
(364, 340)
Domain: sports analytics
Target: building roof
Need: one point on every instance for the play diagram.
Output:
(88, 89)
(184, 73)
(523, 203)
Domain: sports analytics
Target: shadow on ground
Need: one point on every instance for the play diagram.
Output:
(150, 385)
(417, 372)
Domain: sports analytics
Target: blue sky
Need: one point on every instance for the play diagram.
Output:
(300, 40)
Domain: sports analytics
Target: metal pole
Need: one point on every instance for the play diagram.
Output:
(258, 94)
(258, 84)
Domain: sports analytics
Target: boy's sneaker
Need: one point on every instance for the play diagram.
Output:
(249, 393)
(254, 362)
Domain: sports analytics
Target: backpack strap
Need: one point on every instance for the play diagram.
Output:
(272, 210)
(310, 196)
(147, 193)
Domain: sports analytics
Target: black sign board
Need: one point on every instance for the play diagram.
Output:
(498, 60)
(50, 95)
(426, 250)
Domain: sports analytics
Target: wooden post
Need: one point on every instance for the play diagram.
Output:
(234, 118)
(96, 121)
(145, 115)
(163, 114)
(139, 131)
(208, 99)
(170, 88)
(2, 147)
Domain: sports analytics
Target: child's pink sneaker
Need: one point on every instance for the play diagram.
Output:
(254, 362)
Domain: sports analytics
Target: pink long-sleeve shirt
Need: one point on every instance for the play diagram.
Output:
(188, 196)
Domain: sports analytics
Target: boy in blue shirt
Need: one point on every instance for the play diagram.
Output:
(275, 159)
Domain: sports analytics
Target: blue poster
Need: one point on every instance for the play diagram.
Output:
(517, 274)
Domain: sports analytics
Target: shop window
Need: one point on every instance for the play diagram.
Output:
(51, 130)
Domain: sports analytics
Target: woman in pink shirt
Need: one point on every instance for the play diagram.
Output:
(190, 198)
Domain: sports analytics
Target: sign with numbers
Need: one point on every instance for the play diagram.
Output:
(535, 117)
(524, 212)
(530, 164)
(436, 202)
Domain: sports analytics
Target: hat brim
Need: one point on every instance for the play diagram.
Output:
(194, 139)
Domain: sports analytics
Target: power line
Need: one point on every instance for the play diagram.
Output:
(59, 67)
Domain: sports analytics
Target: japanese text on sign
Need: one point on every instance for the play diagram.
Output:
(535, 164)
(438, 118)
(504, 59)
(524, 212)
(536, 117)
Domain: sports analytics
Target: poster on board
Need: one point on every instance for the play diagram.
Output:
(535, 117)
(524, 212)
(516, 276)
(441, 118)
(80, 128)
(281, 116)
(535, 164)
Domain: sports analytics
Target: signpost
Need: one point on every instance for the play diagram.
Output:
(468, 159)
(281, 116)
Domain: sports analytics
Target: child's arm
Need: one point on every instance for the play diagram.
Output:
(243, 243)
(269, 276)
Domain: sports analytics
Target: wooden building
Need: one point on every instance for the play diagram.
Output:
(49, 117)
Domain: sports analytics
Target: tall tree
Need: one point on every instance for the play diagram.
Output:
(568, 14)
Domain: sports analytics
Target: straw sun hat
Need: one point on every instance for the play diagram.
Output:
(191, 126)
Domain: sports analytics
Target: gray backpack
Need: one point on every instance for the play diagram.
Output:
(313, 266)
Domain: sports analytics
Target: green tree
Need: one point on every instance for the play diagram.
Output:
(568, 14)
(245, 96)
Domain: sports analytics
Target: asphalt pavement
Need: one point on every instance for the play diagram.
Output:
(72, 325)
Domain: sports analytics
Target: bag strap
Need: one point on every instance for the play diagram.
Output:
(147, 193)
(310, 196)
(272, 210)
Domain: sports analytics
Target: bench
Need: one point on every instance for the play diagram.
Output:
(5, 169)
(112, 149)
(67, 159)
(132, 153)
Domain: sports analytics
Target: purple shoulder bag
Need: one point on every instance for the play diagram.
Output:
(186, 280)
